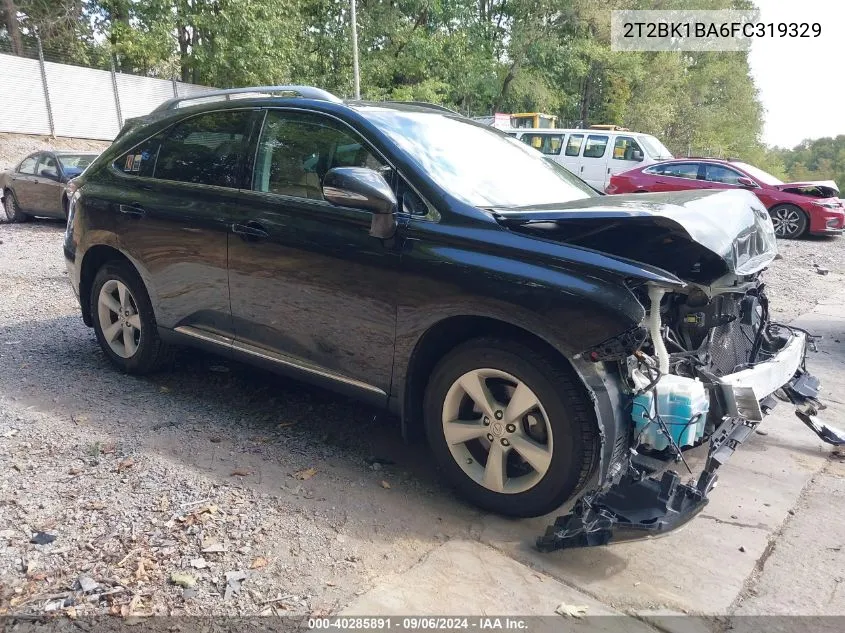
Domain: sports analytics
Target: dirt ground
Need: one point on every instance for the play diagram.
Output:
(14, 147)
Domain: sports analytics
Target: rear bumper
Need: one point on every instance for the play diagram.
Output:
(650, 500)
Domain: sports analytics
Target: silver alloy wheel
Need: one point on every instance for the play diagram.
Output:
(787, 221)
(119, 318)
(497, 431)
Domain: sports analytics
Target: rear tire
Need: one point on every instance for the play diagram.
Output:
(542, 454)
(790, 222)
(13, 209)
(124, 321)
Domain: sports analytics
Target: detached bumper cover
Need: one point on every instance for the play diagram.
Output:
(640, 505)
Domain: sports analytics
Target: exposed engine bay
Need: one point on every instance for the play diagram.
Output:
(702, 366)
(708, 363)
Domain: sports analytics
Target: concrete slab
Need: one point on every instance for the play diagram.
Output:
(805, 572)
(469, 578)
(703, 568)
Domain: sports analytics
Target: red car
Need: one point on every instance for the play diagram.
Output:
(796, 207)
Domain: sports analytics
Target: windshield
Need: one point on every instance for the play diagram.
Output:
(758, 174)
(655, 148)
(76, 161)
(476, 163)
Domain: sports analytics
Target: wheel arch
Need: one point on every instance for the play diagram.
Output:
(800, 210)
(94, 259)
(442, 337)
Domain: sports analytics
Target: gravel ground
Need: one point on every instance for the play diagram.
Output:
(214, 469)
(203, 470)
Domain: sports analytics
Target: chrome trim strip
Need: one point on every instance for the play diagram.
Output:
(281, 359)
(209, 337)
(305, 366)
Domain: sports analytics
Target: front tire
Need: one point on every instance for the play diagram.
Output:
(510, 427)
(789, 221)
(124, 321)
(13, 209)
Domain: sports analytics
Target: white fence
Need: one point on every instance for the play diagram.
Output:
(62, 100)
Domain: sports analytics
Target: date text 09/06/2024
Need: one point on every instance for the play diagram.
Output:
(662, 30)
(417, 623)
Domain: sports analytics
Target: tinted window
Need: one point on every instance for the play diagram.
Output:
(681, 170)
(28, 165)
(205, 149)
(141, 160)
(573, 146)
(718, 173)
(296, 151)
(595, 146)
(656, 169)
(47, 166)
(625, 147)
(546, 143)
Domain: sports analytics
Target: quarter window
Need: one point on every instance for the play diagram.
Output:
(595, 146)
(573, 146)
(718, 173)
(681, 170)
(295, 153)
(27, 166)
(626, 148)
(546, 143)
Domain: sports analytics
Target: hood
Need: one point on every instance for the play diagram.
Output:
(816, 189)
(696, 235)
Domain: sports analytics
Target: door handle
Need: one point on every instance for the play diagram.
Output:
(134, 210)
(250, 230)
(582, 169)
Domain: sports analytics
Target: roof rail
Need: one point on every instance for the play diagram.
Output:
(305, 92)
(426, 104)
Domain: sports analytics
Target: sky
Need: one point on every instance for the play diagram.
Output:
(801, 81)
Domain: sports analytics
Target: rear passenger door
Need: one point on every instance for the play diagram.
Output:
(310, 288)
(170, 204)
(24, 184)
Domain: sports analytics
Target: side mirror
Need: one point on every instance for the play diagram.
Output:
(363, 188)
(48, 173)
(637, 155)
(747, 182)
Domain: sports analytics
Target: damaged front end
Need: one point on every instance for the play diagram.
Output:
(698, 375)
(712, 366)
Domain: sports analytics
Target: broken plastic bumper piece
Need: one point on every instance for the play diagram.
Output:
(640, 506)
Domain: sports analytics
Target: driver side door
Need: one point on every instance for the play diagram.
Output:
(310, 289)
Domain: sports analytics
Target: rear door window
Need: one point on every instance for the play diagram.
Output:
(27, 166)
(573, 146)
(596, 146)
(207, 149)
(681, 170)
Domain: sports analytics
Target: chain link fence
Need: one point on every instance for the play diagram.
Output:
(42, 94)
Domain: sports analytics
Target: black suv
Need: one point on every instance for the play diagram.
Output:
(528, 326)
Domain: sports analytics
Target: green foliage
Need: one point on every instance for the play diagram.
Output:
(819, 159)
(476, 56)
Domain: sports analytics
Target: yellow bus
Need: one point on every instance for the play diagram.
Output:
(533, 120)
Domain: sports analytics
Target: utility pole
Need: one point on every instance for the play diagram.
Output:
(356, 73)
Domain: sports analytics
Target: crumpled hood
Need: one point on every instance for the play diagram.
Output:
(697, 235)
(821, 188)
